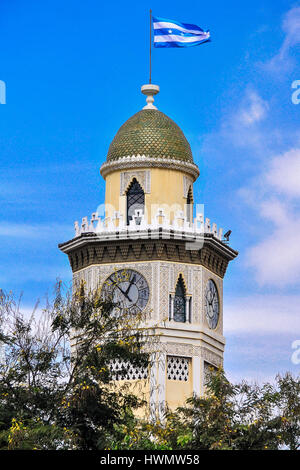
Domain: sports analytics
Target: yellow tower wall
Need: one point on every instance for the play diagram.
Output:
(177, 392)
(167, 192)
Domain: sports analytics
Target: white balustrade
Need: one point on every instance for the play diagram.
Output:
(178, 225)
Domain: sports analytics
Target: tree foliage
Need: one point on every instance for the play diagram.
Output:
(228, 417)
(57, 388)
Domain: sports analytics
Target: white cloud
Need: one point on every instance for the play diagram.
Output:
(291, 27)
(274, 195)
(254, 109)
(260, 330)
(262, 314)
(282, 61)
(242, 126)
(284, 173)
(274, 210)
(276, 259)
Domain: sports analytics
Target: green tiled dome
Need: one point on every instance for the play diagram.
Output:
(153, 134)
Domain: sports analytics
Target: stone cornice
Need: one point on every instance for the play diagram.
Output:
(142, 161)
(90, 249)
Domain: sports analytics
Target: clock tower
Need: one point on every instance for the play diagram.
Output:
(169, 259)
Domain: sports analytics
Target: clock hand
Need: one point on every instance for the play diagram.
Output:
(210, 313)
(210, 309)
(124, 293)
(130, 284)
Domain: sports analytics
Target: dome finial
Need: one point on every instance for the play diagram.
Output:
(150, 90)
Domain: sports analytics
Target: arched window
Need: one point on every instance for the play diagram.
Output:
(189, 205)
(135, 199)
(179, 301)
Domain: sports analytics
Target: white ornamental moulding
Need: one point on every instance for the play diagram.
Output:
(142, 161)
(143, 177)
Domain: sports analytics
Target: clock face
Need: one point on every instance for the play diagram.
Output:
(128, 290)
(212, 307)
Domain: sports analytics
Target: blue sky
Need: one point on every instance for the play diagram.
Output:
(73, 72)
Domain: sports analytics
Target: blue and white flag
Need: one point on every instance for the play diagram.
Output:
(170, 33)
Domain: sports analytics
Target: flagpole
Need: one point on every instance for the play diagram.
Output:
(150, 46)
